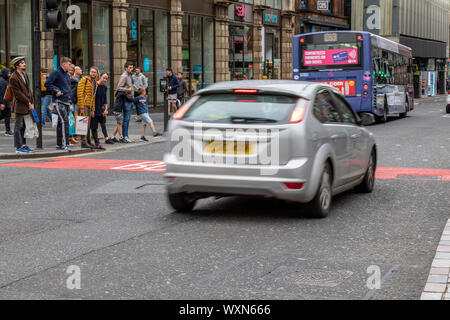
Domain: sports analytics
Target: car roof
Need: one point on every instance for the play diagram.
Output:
(290, 87)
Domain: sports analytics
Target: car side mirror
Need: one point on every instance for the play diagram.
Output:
(367, 119)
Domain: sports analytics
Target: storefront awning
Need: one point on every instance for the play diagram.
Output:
(425, 48)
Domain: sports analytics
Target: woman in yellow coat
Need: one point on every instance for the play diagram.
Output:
(86, 91)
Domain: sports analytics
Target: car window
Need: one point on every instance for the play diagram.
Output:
(324, 110)
(222, 107)
(345, 111)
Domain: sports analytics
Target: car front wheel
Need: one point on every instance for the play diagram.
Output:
(319, 207)
(368, 182)
(181, 202)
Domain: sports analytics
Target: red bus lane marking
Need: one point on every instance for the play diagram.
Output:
(420, 174)
(382, 173)
(94, 164)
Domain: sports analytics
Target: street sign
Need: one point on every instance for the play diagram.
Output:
(322, 5)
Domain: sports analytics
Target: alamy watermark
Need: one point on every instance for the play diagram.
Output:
(228, 146)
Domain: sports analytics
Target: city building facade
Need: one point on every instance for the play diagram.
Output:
(419, 24)
(208, 40)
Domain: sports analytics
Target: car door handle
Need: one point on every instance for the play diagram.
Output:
(355, 136)
(335, 136)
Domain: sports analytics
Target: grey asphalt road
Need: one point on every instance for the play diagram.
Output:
(129, 244)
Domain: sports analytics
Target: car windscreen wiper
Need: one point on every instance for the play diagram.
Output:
(239, 119)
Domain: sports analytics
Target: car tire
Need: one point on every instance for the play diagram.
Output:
(447, 109)
(368, 182)
(319, 207)
(181, 202)
(405, 114)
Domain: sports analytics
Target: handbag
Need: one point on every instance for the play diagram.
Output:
(8, 94)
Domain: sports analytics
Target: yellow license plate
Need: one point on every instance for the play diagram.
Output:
(229, 147)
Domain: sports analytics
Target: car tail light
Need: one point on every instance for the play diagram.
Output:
(366, 87)
(246, 91)
(298, 113)
(294, 185)
(182, 111)
(170, 179)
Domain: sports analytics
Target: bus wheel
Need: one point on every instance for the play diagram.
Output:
(404, 114)
(383, 118)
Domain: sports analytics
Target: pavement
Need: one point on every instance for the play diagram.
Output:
(7, 150)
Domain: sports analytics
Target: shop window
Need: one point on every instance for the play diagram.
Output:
(3, 62)
(20, 32)
(132, 35)
(101, 26)
(147, 36)
(196, 53)
(330, 6)
(80, 41)
(304, 4)
(208, 35)
(161, 50)
(61, 46)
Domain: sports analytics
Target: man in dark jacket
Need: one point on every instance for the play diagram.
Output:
(172, 87)
(58, 83)
(5, 110)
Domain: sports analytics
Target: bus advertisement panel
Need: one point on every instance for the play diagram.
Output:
(374, 73)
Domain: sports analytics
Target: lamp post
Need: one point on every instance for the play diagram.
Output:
(36, 32)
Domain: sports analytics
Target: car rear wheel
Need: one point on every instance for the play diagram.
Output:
(447, 109)
(368, 182)
(404, 114)
(181, 202)
(319, 207)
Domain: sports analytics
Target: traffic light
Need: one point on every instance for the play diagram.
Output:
(52, 16)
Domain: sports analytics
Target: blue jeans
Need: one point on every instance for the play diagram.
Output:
(127, 108)
(45, 103)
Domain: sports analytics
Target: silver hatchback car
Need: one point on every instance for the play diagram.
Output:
(288, 140)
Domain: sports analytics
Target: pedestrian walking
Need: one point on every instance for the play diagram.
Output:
(172, 88)
(87, 89)
(22, 102)
(125, 94)
(101, 111)
(58, 83)
(182, 88)
(5, 108)
(142, 110)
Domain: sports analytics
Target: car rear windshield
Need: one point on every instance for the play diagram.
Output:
(241, 108)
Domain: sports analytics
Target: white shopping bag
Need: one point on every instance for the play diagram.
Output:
(81, 125)
(31, 129)
(54, 120)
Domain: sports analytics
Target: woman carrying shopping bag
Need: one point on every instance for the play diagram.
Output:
(87, 89)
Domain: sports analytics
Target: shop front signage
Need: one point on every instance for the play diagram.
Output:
(322, 5)
(271, 17)
(241, 12)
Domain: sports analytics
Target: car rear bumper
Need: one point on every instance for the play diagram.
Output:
(214, 179)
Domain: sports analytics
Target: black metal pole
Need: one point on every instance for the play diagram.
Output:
(166, 111)
(35, 9)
